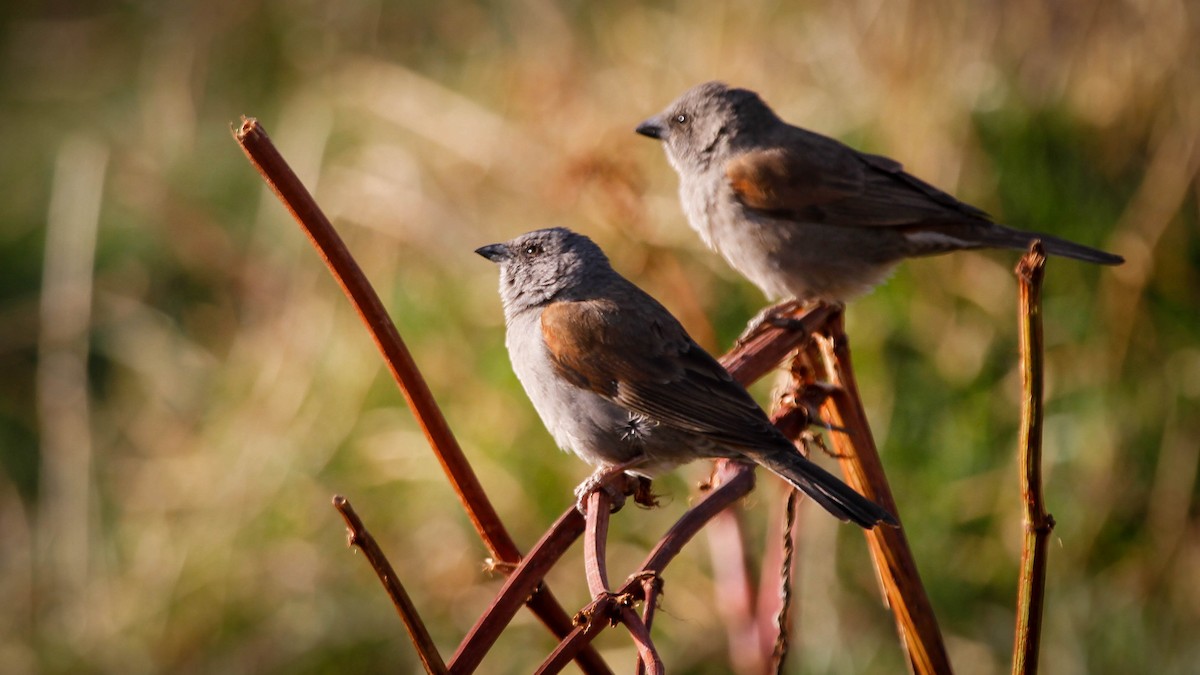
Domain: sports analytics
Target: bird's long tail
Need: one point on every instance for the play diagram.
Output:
(1007, 237)
(825, 489)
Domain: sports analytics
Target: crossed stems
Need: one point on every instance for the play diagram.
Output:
(731, 481)
(755, 355)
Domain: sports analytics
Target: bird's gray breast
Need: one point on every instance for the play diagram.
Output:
(698, 194)
(751, 243)
(580, 421)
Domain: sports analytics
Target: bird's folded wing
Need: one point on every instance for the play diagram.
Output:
(644, 361)
(822, 181)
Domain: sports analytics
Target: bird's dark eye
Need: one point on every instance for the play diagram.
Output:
(533, 249)
(681, 118)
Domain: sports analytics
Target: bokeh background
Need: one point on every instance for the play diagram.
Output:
(183, 387)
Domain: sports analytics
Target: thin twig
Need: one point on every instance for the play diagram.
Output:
(523, 581)
(360, 537)
(651, 589)
(606, 606)
(287, 186)
(773, 615)
(590, 621)
(783, 620)
(901, 583)
(648, 657)
(732, 481)
(1038, 522)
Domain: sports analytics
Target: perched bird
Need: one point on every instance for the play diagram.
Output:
(618, 381)
(804, 216)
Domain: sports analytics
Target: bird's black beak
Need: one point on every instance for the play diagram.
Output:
(652, 128)
(494, 252)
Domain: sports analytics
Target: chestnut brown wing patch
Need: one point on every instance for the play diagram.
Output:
(639, 357)
(785, 181)
(820, 180)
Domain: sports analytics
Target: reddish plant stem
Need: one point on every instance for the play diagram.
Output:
(648, 658)
(651, 589)
(902, 588)
(523, 581)
(594, 565)
(770, 345)
(607, 607)
(1038, 522)
(362, 295)
(604, 611)
(361, 538)
(287, 186)
(590, 621)
(733, 480)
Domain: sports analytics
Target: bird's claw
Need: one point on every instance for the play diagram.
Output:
(600, 480)
(775, 316)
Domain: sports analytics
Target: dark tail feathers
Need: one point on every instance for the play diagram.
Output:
(1007, 237)
(825, 489)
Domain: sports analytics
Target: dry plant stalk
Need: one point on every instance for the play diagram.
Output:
(783, 616)
(823, 367)
(1038, 522)
(523, 581)
(731, 481)
(758, 623)
(361, 538)
(287, 186)
(828, 360)
(599, 509)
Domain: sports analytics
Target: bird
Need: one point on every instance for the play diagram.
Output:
(618, 381)
(804, 216)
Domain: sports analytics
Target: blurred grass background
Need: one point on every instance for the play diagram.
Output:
(184, 387)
